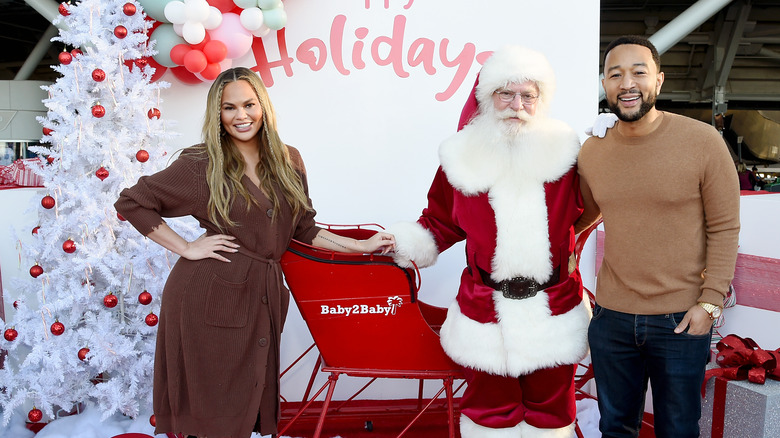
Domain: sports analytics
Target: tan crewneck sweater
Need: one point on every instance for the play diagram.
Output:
(670, 204)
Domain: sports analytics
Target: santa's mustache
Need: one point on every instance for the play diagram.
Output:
(510, 113)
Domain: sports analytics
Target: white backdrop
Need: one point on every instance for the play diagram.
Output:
(369, 134)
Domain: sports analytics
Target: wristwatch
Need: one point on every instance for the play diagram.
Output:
(713, 310)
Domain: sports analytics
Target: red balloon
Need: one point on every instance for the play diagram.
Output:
(211, 71)
(195, 61)
(222, 5)
(178, 51)
(185, 76)
(159, 70)
(215, 51)
(203, 43)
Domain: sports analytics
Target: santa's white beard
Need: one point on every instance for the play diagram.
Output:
(498, 127)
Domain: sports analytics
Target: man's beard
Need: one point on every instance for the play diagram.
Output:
(502, 123)
(644, 108)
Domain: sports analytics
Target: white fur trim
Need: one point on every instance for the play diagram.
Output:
(528, 431)
(514, 175)
(470, 429)
(413, 243)
(526, 338)
(514, 64)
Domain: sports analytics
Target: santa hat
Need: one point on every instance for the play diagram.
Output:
(515, 64)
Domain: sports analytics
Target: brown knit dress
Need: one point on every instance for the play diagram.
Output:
(216, 367)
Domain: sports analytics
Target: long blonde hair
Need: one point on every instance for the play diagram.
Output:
(226, 164)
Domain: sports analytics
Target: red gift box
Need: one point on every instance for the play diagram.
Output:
(21, 173)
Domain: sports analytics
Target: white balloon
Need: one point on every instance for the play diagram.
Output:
(252, 19)
(269, 4)
(263, 31)
(193, 32)
(175, 12)
(197, 10)
(178, 28)
(245, 3)
(214, 20)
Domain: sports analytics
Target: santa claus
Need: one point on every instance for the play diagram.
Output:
(508, 185)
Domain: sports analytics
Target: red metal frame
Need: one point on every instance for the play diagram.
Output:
(390, 333)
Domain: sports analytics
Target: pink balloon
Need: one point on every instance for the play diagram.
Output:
(236, 38)
(195, 61)
(215, 51)
(211, 71)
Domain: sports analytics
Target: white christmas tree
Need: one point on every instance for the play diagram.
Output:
(89, 337)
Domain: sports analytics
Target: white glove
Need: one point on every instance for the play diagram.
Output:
(603, 122)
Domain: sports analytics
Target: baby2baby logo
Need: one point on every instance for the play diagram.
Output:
(398, 50)
(393, 303)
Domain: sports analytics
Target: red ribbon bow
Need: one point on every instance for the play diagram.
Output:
(741, 358)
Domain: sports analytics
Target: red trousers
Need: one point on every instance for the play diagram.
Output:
(543, 399)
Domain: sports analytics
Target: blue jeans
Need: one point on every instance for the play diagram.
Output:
(627, 350)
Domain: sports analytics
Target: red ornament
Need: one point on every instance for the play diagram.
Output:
(110, 300)
(153, 421)
(98, 111)
(47, 202)
(35, 415)
(151, 319)
(145, 298)
(35, 230)
(154, 112)
(142, 156)
(83, 353)
(69, 246)
(141, 62)
(49, 159)
(76, 52)
(57, 328)
(16, 304)
(120, 217)
(63, 8)
(36, 270)
(10, 334)
(98, 75)
(128, 9)
(101, 173)
(47, 131)
(65, 58)
(120, 31)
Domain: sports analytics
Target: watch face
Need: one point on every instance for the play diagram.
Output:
(716, 312)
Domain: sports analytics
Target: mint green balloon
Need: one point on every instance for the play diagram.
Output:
(166, 39)
(244, 4)
(155, 8)
(275, 19)
(269, 4)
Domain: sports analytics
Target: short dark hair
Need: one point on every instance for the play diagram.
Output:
(639, 41)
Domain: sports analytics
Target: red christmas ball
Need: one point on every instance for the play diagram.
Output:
(10, 334)
(151, 320)
(47, 131)
(63, 9)
(35, 415)
(65, 58)
(141, 62)
(142, 156)
(36, 270)
(145, 298)
(120, 31)
(69, 246)
(35, 230)
(16, 304)
(57, 328)
(129, 9)
(110, 300)
(83, 353)
(154, 112)
(120, 217)
(101, 173)
(49, 159)
(76, 52)
(98, 75)
(153, 421)
(47, 202)
(98, 111)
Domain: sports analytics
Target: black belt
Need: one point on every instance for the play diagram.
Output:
(518, 288)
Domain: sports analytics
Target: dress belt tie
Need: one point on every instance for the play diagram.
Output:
(518, 288)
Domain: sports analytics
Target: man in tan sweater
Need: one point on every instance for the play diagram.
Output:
(667, 190)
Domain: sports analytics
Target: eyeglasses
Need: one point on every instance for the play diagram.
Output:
(509, 96)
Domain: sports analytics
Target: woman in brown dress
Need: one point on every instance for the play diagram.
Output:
(216, 368)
